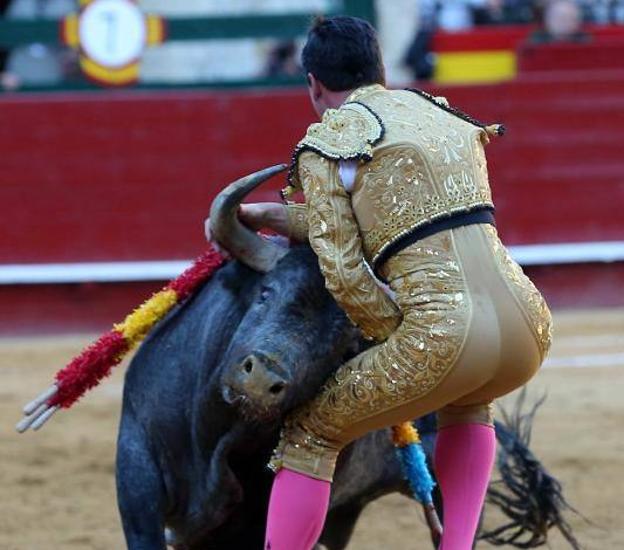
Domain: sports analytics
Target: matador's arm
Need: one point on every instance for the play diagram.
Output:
(298, 228)
(334, 237)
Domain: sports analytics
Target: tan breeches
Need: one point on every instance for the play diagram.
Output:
(474, 328)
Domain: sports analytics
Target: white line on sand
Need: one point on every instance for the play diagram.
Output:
(590, 342)
(104, 272)
(582, 361)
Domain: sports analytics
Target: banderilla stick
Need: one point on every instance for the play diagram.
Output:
(38, 412)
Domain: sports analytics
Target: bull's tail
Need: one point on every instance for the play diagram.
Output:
(527, 494)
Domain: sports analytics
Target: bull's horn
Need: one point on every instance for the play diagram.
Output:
(243, 243)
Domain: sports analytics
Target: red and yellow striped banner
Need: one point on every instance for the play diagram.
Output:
(155, 33)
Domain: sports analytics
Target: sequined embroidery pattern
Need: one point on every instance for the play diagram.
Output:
(297, 221)
(347, 133)
(431, 292)
(405, 192)
(335, 240)
(531, 300)
(442, 102)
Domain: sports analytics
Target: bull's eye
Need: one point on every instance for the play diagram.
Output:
(264, 294)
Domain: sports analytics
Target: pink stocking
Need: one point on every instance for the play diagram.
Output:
(464, 456)
(297, 511)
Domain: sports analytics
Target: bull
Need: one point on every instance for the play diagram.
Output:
(205, 395)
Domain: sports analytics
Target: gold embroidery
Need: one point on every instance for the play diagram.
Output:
(430, 165)
(432, 294)
(482, 413)
(345, 133)
(531, 300)
(335, 239)
(401, 194)
(297, 221)
(364, 91)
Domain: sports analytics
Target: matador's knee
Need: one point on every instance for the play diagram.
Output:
(302, 451)
(481, 413)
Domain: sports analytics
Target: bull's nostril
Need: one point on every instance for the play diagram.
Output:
(248, 365)
(277, 388)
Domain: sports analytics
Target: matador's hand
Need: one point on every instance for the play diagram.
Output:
(211, 240)
(251, 215)
(256, 216)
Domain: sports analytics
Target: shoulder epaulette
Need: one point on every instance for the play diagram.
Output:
(442, 102)
(347, 133)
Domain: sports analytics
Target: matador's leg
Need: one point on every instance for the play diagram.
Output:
(470, 323)
(412, 373)
(463, 341)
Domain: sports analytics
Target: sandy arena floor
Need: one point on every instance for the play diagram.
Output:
(57, 486)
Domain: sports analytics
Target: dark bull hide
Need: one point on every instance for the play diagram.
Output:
(205, 396)
(197, 428)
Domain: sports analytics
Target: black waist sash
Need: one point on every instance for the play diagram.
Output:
(484, 214)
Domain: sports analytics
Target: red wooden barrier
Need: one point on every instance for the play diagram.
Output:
(607, 54)
(130, 176)
(508, 37)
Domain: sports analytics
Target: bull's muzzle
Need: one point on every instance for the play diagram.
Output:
(258, 381)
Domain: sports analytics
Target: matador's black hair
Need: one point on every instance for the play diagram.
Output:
(343, 53)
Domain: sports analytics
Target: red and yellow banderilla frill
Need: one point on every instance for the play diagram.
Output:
(96, 361)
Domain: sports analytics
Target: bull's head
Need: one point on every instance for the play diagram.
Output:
(293, 334)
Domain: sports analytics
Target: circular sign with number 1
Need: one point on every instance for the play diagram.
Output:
(111, 36)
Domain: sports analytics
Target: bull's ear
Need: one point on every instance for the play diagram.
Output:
(243, 243)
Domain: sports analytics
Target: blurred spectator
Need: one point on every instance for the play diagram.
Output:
(604, 11)
(42, 65)
(282, 60)
(51, 9)
(505, 12)
(37, 64)
(457, 15)
(562, 22)
(7, 80)
(419, 57)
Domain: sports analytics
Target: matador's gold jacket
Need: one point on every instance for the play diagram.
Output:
(417, 163)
